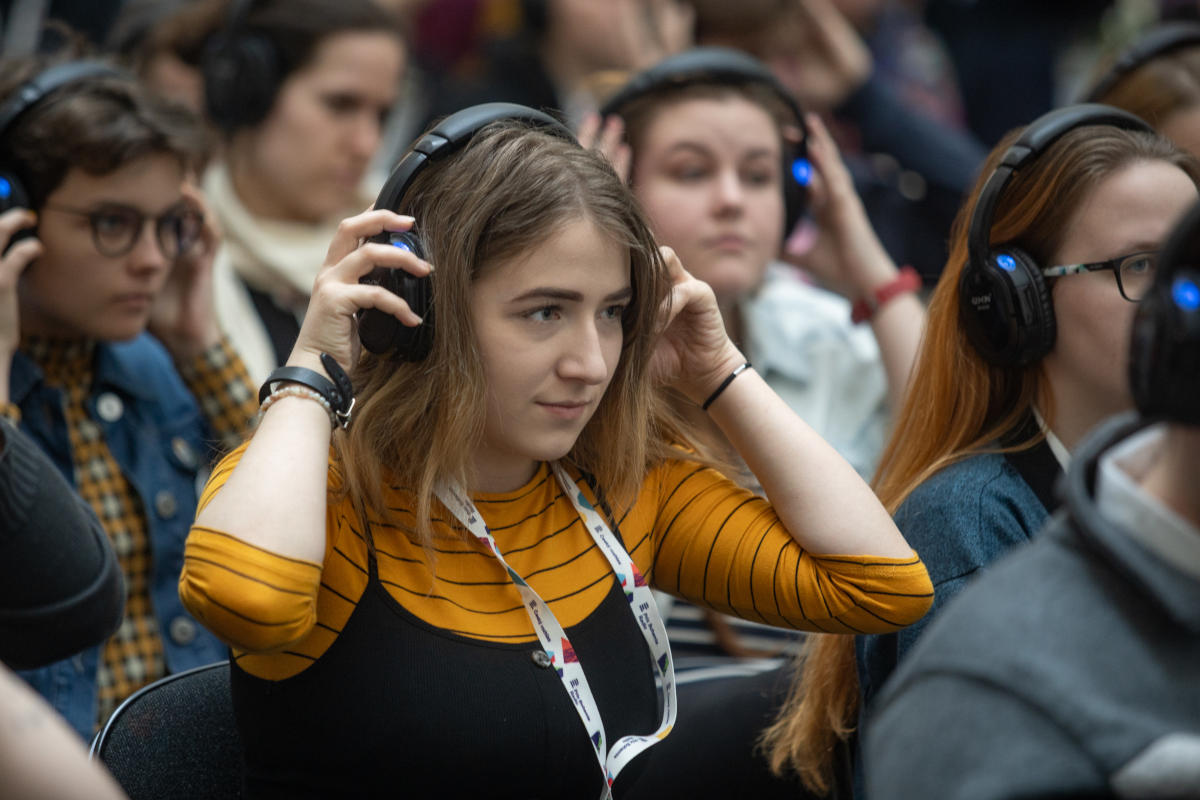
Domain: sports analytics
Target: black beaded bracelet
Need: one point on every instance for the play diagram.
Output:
(724, 384)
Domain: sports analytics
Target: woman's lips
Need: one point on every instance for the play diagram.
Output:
(565, 410)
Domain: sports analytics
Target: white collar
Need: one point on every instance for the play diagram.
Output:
(1121, 500)
(1061, 454)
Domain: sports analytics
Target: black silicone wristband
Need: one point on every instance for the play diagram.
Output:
(725, 383)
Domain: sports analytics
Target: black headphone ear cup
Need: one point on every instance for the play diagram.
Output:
(379, 331)
(1006, 308)
(1164, 352)
(241, 79)
(797, 173)
(12, 192)
(13, 195)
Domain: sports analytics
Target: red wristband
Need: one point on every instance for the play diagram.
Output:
(908, 280)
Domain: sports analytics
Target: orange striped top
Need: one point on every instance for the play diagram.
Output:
(693, 532)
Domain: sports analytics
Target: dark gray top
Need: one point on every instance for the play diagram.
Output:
(1071, 669)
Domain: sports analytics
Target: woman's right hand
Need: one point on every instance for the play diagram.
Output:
(847, 256)
(12, 264)
(329, 323)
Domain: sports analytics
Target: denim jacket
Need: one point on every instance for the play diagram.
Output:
(155, 430)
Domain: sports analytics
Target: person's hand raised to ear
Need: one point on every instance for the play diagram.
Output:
(329, 323)
(694, 353)
(13, 262)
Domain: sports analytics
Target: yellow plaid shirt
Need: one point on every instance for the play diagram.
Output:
(133, 657)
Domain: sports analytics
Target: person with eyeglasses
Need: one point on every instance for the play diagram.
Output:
(986, 431)
(111, 359)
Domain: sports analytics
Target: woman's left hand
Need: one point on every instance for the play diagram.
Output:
(184, 318)
(694, 353)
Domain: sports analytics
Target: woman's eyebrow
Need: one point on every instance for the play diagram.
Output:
(554, 293)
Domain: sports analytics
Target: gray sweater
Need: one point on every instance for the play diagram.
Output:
(1071, 669)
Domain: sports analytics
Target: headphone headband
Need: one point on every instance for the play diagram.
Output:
(30, 93)
(1155, 42)
(723, 66)
(1038, 136)
(719, 65)
(456, 130)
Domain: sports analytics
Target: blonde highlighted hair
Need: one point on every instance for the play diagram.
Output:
(958, 405)
(506, 191)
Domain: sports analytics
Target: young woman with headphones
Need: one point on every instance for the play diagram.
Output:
(1024, 351)
(412, 566)
(727, 165)
(298, 91)
(1099, 695)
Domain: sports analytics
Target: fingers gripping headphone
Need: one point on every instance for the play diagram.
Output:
(13, 191)
(1003, 300)
(1164, 356)
(379, 331)
(241, 72)
(1158, 41)
(719, 65)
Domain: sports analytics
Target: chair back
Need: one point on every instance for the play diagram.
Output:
(176, 738)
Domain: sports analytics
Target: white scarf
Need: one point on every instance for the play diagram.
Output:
(278, 257)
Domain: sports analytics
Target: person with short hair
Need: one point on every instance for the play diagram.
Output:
(113, 361)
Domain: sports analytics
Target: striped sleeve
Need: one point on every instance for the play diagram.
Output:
(723, 547)
(251, 598)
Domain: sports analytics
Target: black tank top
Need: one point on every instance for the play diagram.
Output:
(399, 708)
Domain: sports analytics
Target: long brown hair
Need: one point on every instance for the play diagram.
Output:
(957, 405)
(505, 192)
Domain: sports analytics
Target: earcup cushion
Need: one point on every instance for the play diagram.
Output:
(1007, 309)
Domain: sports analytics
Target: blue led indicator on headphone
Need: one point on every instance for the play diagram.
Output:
(1186, 294)
(802, 171)
(1006, 262)
(399, 242)
(5, 189)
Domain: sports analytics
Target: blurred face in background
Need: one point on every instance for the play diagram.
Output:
(306, 161)
(75, 289)
(708, 172)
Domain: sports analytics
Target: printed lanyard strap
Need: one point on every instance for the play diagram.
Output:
(554, 639)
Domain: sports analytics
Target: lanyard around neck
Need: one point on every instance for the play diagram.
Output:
(554, 638)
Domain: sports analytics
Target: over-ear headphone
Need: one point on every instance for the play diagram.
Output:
(1156, 42)
(720, 65)
(1164, 356)
(1003, 300)
(379, 331)
(13, 191)
(241, 72)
